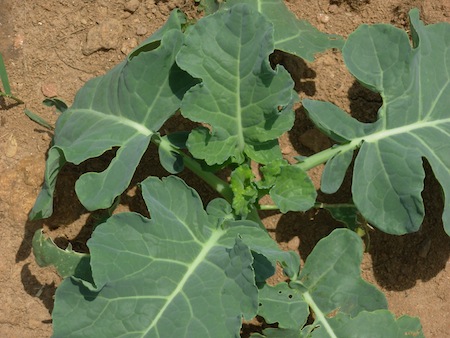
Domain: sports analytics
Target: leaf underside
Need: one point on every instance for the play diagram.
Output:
(413, 123)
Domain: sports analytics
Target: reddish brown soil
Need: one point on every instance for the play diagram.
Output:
(44, 43)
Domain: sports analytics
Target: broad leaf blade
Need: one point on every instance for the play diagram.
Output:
(244, 101)
(123, 108)
(414, 121)
(178, 267)
(291, 35)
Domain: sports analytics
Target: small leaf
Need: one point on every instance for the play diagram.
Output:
(67, 262)
(270, 173)
(39, 120)
(334, 173)
(345, 214)
(59, 104)
(293, 190)
(245, 191)
(170, 159)
(4, 77)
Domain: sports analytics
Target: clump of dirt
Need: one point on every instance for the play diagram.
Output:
(53, 47)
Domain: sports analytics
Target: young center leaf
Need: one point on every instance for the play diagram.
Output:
(182, 266)
(413, 123)
(246, 103)
(123, 109)
(292, 35)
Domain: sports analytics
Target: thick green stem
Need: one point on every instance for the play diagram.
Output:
(325, 155)
(317, 205)
(320, 316)
(212, 180)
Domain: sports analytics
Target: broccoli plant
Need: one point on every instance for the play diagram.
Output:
(197, 271)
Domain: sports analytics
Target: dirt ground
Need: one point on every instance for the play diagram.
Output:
(48, 53)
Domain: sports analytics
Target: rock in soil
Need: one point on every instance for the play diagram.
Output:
(104, 36)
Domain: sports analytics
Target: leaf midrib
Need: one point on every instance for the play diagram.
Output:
(207, 246)
(119, 119)
(385, 133)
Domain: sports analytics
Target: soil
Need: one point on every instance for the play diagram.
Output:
(53, 47)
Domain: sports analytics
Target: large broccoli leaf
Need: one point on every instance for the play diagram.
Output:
(123, 108)
(247, 104)
(184, 266)
(414, 122)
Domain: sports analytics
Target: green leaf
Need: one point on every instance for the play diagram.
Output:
(270, 172)
(345, 214)
(344, 305)
(183, 265)
(246, 103)
(59, 104)
(377, 324)
(4, 77)
(169, 155)
(283, 305)
(331, 277)
(124, 109)
(334, 173)
(293, 190)
(291, 35)
(39, 120)
(43, 207)
(67, 262)
(245, 191)
(150, 273)
(413, 123)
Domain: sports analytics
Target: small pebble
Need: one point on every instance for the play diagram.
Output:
(323, 18)
(333, 8)
(11, 147)
(49, 89)
(132, 5)
(104, 36)
(142, 30)
(128, 45)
